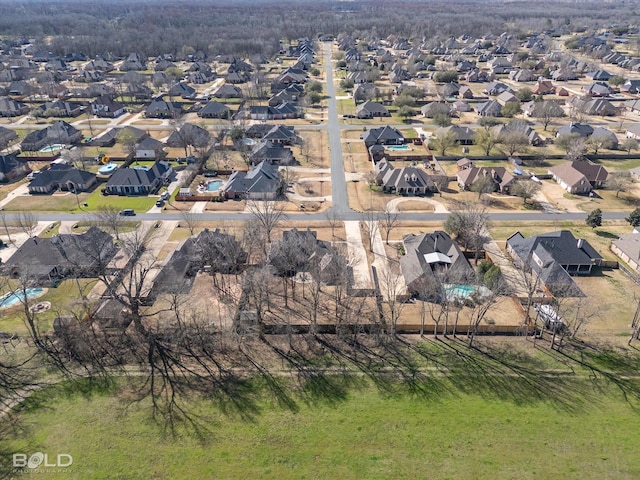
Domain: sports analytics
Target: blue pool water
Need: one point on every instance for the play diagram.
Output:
(248, 141)
(397, 147)
(11, 298)
(460, 291)
(214, 185)
(108, 168)
(53, 148)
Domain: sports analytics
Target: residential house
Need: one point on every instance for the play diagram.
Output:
(580, 129)
(214, 109)
(109, 138)
(553, 257)
(182, 90)
(431, 109)
(299, 252)
(492, 108)
(405, 181)
(292, 75)
(371, 109)
(507, 97)
(495, 88)
(500, 66)
(609, 139)
(633, 131)
(522, 75)
(138, 91)
(631, 86)
(271, 152)
(212, 251)
(106, 107)
(47, 261)
(138, 181)
(12, 108)
(6, 136)
(134, 62)
(593, 106)
(262, 182)
(598, 89)
(149, 148)
(11, 168)
(627, 247)
(502, 179)
(543, 87)
(579, 176)
(383, 136)
(599, 76)
(62, 177)
(564, 74)
(281, 134)
(535, 139)
(189, 135)
(465, 92)
(431, 259)
(162, 109)
(462, 135)
(61, 109)
(364, 91)
(57, 133)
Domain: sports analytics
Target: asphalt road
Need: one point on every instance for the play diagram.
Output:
(345, 214)
(338, 181)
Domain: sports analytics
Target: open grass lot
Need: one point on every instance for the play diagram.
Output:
(341, 427)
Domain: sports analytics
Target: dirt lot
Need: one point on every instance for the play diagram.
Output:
(315, 150)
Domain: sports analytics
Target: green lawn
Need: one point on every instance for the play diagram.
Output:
(356, 433)
(139, 204)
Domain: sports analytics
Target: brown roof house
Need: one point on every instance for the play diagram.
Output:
(407, 180)
(502, 179)
(627, 247)
(579, 176)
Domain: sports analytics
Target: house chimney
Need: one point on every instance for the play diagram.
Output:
(580, 242)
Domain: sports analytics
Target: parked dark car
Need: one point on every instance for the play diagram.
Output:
(127, 212)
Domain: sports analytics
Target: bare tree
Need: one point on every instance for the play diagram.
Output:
(546, 111)
(443, 141)
(370, 226)
(127, 139)
(27, 222)
(391, 283)
(525, 189)
(469, 225)
(388, 221)
(190, 220)
(5, 225)
(333, 218)
(619, 182)
(267, 213)
(514, 141)
(484, 184)
(108, 218)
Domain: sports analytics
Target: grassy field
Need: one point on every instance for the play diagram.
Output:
(342, 430)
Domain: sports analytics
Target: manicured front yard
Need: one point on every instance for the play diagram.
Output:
(139, 204)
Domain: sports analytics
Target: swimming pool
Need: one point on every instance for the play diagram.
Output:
(459, 291)
(394, 148)
(108, 168)
(248, 141)
(53, 148)
(214, 185)
(17, 296)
